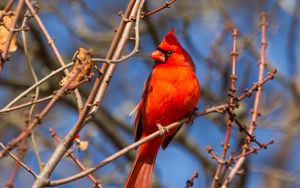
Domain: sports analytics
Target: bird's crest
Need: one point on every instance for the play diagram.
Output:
(170, 42)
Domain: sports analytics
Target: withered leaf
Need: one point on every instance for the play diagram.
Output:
(81, 57)
(5, 25)
(83, 145)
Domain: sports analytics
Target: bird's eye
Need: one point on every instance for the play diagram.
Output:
(169, 52)
(166, 53)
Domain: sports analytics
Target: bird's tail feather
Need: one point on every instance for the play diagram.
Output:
(141, 173)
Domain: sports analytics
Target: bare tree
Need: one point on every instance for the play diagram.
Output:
(71, 72)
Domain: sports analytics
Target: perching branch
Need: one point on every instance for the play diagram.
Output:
(215, 109)
(133, 146)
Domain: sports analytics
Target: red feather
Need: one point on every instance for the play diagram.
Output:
(171, 93)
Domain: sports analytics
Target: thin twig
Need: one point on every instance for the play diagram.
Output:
(210, 110)
(76, 160)
(46, 34)
(255, 86)
(255, 112)
(132, 146)
(36, 150)
(213, 154)
(254, 150)
(6, 8)
(12, 31)
(17, 107)
(21, 154)
(68, 140)
(28, 169)
(53, 47)
(217, 180)
(243, 128)
(262, 64)
(165, 5)
(39, 117)
(37, 90)
(53, 73)
(189, 183)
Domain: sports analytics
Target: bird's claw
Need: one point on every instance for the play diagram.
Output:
(192, 116)
(162, 129)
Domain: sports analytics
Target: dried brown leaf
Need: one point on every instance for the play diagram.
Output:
(81, 56)
(5, 25)
(82, 144)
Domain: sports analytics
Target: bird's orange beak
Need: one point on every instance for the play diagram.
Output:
(158, 56)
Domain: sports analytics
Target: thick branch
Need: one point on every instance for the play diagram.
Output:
(61, 149)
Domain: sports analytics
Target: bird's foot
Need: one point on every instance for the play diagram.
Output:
(162, 129)
(192, 116)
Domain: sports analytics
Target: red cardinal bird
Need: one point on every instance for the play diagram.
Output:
(171, 93)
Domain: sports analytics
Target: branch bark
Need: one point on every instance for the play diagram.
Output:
(117, 46)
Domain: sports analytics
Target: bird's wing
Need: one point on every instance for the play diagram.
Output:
(139, 111)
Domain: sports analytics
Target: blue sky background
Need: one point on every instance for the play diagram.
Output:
(199, 24)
